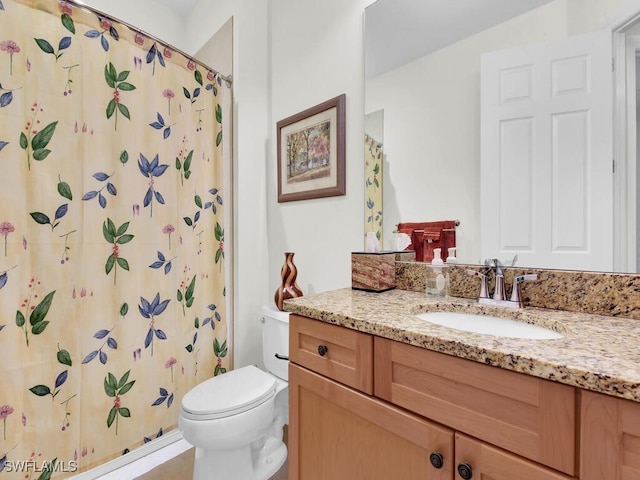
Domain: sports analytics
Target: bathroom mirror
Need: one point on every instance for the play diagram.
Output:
(430, 96)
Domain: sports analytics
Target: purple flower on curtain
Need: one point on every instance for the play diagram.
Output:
(5, 411)
(169, 364)
(168, 94)
(5, 229)
(168, 229)
(10, 47)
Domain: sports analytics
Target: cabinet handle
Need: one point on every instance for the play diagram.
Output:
(436, 459)
(322, 350)
(464, 470)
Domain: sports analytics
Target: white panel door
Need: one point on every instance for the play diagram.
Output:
(546, 154)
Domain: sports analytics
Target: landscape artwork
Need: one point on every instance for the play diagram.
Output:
(311, 153)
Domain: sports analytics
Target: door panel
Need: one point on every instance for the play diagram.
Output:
(546, 154)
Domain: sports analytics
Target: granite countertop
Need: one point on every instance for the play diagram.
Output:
(597, 352)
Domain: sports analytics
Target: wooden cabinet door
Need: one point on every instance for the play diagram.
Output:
(338, 433)
(610, 438)
(483, 461)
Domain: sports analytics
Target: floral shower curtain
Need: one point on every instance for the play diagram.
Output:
(112, 205)
(373, 157)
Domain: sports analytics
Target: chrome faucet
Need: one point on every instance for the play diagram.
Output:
(516, 296)
(498, 291)
(499, 297)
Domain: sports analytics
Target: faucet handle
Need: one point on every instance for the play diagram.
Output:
(484, 289)
(515, 291)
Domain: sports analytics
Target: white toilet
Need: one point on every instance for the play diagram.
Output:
(235, 420)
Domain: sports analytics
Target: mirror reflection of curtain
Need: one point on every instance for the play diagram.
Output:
(112, 209)
(373, 158)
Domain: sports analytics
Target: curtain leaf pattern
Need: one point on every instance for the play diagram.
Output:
(373, 158)
(112, 214)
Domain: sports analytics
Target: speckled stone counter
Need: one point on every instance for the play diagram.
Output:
(598, 353)
(612, 294)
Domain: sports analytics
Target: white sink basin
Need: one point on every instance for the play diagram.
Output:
(499, 327)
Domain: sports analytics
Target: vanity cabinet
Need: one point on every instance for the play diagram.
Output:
(342, 432)
(364, 406)
(610, 448)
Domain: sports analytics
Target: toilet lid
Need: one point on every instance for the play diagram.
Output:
(230, 393)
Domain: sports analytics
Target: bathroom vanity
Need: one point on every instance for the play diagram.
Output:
(378, 393)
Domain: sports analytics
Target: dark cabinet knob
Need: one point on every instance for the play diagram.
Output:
(322, 350)
(436, 459)
(464, 470)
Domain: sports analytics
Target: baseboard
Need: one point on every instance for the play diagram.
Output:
(132, 456)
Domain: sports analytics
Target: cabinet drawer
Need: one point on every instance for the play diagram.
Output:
(336, 352)
(529, 416)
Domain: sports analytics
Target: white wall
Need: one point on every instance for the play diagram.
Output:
(317, 54)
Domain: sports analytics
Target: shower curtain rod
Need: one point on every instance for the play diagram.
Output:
(78, 3)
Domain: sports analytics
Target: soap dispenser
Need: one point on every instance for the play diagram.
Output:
(437, 258)
(452, 255)
(438, 276)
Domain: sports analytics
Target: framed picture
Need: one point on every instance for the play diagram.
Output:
(311, 158)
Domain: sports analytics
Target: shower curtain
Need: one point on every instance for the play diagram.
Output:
(373, 158)
(112, 238)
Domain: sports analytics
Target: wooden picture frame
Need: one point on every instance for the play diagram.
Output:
(311, 152)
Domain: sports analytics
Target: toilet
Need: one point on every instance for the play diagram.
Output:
(235, 420)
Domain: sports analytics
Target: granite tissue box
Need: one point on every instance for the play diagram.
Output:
(374, 272)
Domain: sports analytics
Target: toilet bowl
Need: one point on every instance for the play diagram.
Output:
(235, 420)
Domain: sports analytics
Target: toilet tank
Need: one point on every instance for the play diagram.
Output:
(275, 341)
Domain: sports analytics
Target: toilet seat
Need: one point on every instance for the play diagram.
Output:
(229, 394)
